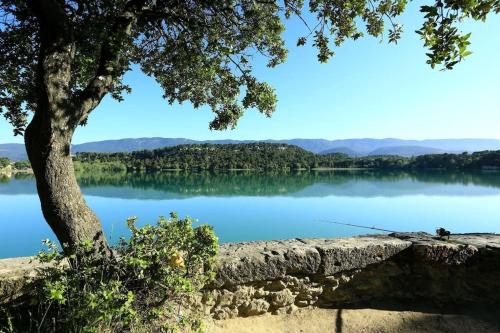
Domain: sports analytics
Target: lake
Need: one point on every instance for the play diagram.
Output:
(244, 206)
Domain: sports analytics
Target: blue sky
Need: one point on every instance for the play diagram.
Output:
(369, 89)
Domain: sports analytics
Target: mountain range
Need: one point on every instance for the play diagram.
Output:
(351, 147)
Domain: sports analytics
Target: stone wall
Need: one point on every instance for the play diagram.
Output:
(281, 276)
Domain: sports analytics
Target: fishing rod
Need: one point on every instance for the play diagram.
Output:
(357, 226)
(440, 232)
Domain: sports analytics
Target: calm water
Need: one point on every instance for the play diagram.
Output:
(256, 206)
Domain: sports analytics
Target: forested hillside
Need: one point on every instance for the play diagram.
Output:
(478, 160)
(255, 156)
(267, 156)
(213, 157)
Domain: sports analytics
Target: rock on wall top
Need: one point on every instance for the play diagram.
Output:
(270, 260)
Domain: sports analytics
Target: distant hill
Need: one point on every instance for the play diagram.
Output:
(361, 147)
(129, 145)
(13, 151)
(352, 147)
(367, 146)
(342, 150)
(406, 151)
(248, 156)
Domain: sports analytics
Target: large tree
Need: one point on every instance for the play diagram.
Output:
(59, 58)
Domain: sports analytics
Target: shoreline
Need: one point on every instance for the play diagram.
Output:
(11, 172)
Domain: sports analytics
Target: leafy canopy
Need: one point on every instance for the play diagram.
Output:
(198, 51)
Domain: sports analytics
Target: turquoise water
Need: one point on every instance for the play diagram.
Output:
(245, 206)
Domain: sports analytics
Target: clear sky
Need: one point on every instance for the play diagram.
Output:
(369, 89)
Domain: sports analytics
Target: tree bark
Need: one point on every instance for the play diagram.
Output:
(63, 205)
(59, 110)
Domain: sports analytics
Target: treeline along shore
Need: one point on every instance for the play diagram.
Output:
(268, 156)
(265, 157)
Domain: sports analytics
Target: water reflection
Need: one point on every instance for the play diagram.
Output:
(245, 206)
(178, 185)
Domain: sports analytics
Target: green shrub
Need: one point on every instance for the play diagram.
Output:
(149, 286)
(22, 165)
(96, 166)
(4, 162)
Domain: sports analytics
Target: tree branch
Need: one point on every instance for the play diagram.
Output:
(55, 56)
(108, 69)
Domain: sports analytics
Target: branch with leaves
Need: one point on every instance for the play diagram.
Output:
(198, 51)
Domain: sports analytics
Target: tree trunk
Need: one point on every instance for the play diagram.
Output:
(64, 208)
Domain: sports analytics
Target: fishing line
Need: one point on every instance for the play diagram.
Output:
(357, 226)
